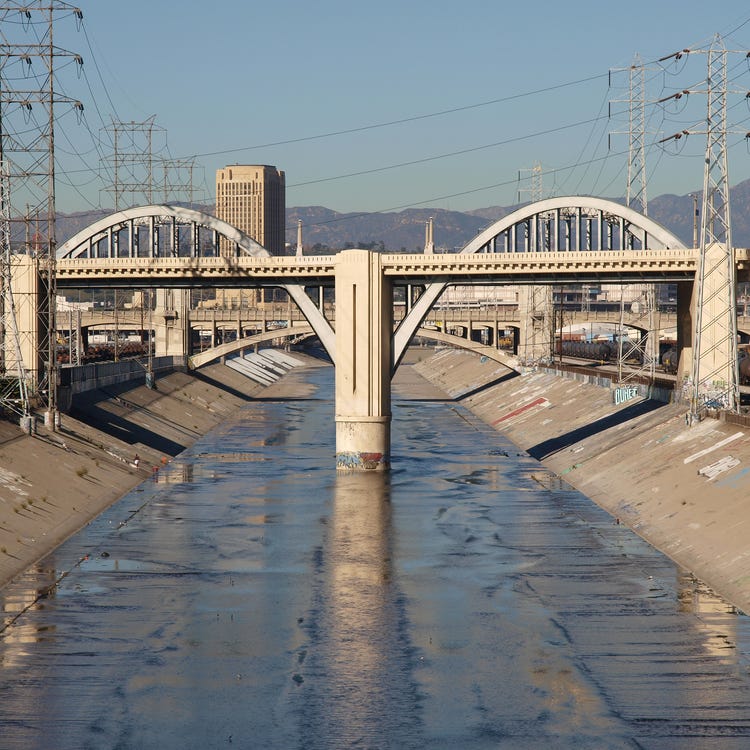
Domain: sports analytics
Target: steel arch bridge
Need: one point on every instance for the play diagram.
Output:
(563, 224)
(569, 239)
(583, 223)
(174, 231)
(572, 223)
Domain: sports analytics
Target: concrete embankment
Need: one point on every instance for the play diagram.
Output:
(685, 489)
(53, 483)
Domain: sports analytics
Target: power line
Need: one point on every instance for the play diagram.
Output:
(460, 152)
(470, 191)
(403, 120)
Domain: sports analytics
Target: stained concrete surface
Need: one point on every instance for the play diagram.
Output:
(685, 489)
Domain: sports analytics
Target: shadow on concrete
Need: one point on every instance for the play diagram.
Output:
(403, 401)
(87, 408)
(239, 394)
(487, 386)
(198, 375)
(553, 445)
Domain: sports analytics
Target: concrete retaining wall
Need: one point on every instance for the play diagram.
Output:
(83, 378)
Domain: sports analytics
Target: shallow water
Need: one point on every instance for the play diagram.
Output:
(251, 597)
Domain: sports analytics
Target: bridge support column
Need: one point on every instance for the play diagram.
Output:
(684, 333)
(27, 293)
(364, 327)
(172, 336)
(535, 334)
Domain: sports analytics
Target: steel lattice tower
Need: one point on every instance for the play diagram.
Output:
(636, 198)
(715, 377)
(27, 158)
(14, 386)
(132, 162)
(636, 192)
(539, 331)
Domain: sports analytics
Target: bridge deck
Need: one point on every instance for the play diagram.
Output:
(644, 265)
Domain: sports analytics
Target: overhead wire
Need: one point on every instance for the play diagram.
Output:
(389, 123)
(459, 194)
(460, 152)
(400, 121)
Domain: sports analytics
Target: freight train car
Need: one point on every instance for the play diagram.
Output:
(670, 359)
(599, 351)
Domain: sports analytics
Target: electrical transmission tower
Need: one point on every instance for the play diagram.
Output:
(28, 95)
(537, 332)
(715, 373)
(14, 385)
(636, 192)
(177, 180)
(643, 298)
(714, 368)
(138, 175)
(536, 190)
(131, 165)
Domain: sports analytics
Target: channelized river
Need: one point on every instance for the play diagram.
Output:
(250, 597)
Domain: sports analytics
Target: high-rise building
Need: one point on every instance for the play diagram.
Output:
(253, 199)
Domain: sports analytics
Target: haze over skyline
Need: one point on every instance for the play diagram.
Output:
(378, 107)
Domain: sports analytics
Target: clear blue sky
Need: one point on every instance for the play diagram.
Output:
(226, 81)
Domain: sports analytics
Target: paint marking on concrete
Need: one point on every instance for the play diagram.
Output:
(522, 409)
(718, 445)
(719, 467)
(734, 481)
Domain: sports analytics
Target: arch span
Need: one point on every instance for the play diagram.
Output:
(147, 231)
(573, 223)
(564, 223)
(129, 222)
(232, 347)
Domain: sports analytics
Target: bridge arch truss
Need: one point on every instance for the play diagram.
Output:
(573, 223)
(566, 223)
(174, 231)
(158, 231)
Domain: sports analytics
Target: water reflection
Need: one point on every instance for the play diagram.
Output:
(17, 632)
(356, 678)
(468, 600)
(722, 619)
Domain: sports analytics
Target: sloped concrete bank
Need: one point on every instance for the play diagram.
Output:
(685, 489)
(54, 483)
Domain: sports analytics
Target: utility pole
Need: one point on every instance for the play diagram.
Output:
(28, 75)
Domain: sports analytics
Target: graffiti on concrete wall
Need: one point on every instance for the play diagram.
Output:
(625, 393)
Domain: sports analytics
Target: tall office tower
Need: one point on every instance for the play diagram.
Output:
(253, 199)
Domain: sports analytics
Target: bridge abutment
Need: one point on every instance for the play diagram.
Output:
(364, 328)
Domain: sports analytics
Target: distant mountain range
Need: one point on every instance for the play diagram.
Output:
(325, 230)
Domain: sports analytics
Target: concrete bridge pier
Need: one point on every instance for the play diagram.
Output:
(172, 328)
(363, 362)
(685, 311)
